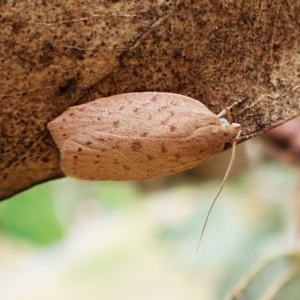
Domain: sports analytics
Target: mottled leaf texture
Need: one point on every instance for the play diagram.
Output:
(57, 54)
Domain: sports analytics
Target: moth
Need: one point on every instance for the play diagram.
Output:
(138, 136)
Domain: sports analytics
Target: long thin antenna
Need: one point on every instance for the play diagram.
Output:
(221, 186)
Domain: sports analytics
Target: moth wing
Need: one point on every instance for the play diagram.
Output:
(148, 114)
(95, 155)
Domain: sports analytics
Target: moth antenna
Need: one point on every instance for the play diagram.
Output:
(221, 186)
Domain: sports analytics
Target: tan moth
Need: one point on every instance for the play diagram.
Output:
(138, 136)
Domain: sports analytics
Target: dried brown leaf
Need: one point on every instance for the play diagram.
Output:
(58, 54)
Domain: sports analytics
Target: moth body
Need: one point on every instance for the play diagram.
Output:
(138, 136)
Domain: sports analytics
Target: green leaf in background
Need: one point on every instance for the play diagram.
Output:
(30, 215)
(276, 279)
(116, 194)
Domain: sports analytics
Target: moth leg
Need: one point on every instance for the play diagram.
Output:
(224, 111)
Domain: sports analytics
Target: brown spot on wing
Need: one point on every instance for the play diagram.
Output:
(116, 123)
(163, 149)
(136, 145)
(154, 98)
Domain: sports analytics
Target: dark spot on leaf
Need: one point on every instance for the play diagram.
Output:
(66, 86)
(79, 149)
(88, 143)
(18, 26)
(127, 168)
(45, 159)
(63, 88)
(150, 157)
(75, 156)
(172, 128)
(79, 54)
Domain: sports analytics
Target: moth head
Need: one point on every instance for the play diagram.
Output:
(231, 130)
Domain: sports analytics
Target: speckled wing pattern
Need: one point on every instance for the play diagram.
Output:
(104, 156)
(136, 136)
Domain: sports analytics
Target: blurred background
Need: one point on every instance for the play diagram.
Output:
(71, 239)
